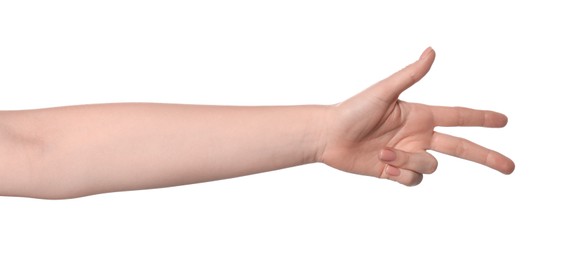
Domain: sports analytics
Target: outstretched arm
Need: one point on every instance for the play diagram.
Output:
(82, 150)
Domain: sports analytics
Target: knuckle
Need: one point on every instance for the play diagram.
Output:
(414, 180)
(413, 77)
(433, 165)
(402, 159)
(461, 148)
(460, 116)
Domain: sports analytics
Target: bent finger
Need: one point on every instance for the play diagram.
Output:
(467, 150)
(421, 162)
(403, 176)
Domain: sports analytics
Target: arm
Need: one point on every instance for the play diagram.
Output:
(81, 150)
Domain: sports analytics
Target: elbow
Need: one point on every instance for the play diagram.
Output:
(25, 169)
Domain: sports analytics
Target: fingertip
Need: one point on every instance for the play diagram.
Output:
(429, 52)
(391, 170)
(502, 120)
(387, 155)
(417, 179)
(495, 119)
(501, 163)
(425, 62)
(508, 167)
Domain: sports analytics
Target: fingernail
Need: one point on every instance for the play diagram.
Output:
(387, 155)
(426, 53)
(392, 171)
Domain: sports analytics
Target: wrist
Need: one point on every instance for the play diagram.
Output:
(317, 129)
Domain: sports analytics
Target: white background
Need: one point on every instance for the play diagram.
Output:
(504, 56)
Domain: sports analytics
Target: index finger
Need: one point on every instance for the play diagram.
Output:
(462, 116)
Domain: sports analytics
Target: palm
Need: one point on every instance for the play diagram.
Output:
(409, 127)
(375, 120)
(355, 146)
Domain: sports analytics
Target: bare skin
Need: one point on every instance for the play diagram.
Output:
(68, 152)
(374, 133)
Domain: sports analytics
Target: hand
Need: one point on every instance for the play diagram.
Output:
(375, 134)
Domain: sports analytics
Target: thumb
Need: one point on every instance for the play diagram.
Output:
(390, 88)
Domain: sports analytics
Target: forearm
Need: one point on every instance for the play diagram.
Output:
(84, 150)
